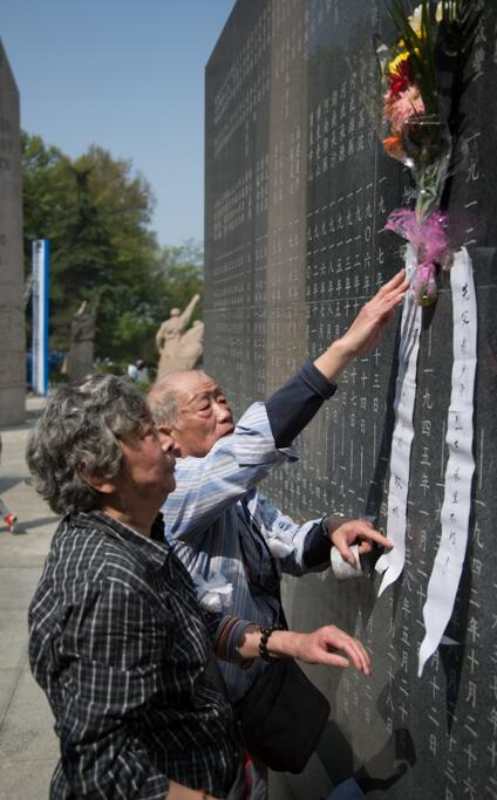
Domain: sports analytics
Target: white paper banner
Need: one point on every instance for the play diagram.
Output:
(392, 563)
(456, 508)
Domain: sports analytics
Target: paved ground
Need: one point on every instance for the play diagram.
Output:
(28, 747)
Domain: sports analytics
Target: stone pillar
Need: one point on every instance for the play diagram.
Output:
(12, 333)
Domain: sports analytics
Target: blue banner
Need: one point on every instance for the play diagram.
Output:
(41, 295)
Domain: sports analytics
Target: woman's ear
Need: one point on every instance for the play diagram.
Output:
(100, 483)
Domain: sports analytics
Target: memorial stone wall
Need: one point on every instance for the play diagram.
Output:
(298, 191)
(12, 335)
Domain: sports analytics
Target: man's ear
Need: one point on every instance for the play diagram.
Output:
(100, 483)
(168, 432)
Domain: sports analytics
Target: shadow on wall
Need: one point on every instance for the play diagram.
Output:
(378, 774)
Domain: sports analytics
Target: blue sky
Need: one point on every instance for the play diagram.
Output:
(127, 75)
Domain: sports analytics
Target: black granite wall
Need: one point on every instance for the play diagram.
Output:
(297, 193)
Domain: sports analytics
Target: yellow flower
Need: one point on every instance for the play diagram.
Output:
(393, 67)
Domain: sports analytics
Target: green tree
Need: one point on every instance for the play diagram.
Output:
(97, 213)
(183, 270)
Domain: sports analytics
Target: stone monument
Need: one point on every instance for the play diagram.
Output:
(12, 333)
(178, 350)
(191, 346)
(298, 191)
(81, 354)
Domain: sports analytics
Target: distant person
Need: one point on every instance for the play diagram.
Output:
(133, 372)
(8, 516)
(143, 376)
(118, 641)
(138, 372)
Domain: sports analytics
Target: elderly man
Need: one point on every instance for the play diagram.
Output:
(232, 540)
(118, 640)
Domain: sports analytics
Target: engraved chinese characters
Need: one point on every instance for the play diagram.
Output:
(12, 342)
(298, 193)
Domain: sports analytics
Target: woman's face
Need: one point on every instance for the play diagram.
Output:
(147, 472)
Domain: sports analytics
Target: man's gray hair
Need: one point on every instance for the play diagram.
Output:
(79, 434)
(162, 398)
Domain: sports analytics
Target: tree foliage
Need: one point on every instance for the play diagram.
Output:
(97, 213)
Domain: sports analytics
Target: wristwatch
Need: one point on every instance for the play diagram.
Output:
(338, 517)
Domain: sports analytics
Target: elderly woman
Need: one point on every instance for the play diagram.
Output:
(118, 641)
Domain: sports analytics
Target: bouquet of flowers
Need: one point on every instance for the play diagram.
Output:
(417, 130)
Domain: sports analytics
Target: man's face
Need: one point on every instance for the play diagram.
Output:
(204, 415)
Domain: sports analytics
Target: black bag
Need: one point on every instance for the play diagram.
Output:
(282, 717)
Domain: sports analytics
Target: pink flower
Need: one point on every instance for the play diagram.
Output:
(398, 109)
(429, 239)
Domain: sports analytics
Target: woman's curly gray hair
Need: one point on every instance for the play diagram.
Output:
(79, 434)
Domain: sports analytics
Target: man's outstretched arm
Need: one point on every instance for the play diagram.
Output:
(293, 406)
(236, 463)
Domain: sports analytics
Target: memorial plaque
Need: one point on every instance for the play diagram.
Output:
(298, 191)
(12, 336)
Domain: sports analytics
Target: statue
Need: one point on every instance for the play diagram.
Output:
(170, 340)
(191, 346)
(81, 354)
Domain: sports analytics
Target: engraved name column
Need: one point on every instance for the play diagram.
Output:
(12, 337)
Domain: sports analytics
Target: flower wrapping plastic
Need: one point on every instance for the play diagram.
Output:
(428, 236)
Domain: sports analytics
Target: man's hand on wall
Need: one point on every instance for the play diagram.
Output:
(367, 328)
(354, 531)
